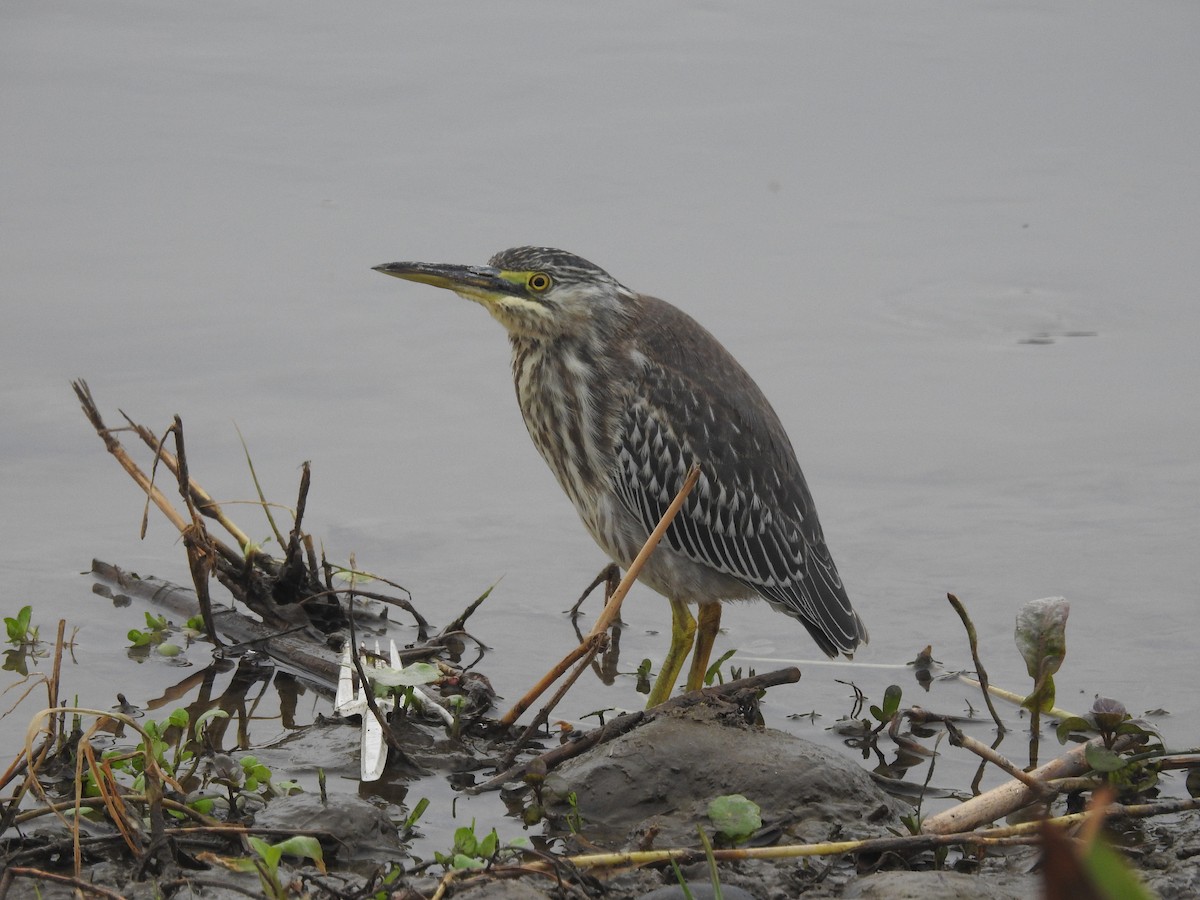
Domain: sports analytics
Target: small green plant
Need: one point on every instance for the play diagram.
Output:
(470, 851)
(713, 673)
(169, 745)
(410, 821)
(473, 852)
(643, 676)
(267, 857)
(574, 819)
(19, 630)
(891, 706)
(26, 645)
(1128, 774)
(1041, 636)
(162, 637)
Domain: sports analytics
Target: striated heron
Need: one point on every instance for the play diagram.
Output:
(622, 393)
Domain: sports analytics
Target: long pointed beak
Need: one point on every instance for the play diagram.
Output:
(475, 282)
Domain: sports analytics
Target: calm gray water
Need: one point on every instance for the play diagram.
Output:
(955, 243)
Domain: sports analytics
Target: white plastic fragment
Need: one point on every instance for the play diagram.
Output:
(350, 702)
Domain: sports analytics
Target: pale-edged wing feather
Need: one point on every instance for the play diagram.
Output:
(751, 515)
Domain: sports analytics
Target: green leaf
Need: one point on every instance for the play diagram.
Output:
(18, 627)
(1072, 725)
(713, 672)
(1041, 635)
(417, 812)
(207, 716)
(891, 701)
(1043, 696)
(734, 816)
(465, 841)
(487, 847)
(270, 853)
(462, 861)
(304, 846)
(1102, 759)
(178, 718)
(415, 674)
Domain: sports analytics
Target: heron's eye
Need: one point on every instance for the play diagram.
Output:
(539, 282)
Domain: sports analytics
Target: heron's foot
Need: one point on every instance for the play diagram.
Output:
(706, 633)
(683, 629)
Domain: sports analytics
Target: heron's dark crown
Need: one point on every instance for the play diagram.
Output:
(565, 268)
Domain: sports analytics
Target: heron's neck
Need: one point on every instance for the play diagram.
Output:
(570, 407)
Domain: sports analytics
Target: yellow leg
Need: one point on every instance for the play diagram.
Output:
(683, 629)
(706, 633)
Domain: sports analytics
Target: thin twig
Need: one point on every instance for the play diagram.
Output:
(114, 447)
(460, 623)
(262, 499)
(983, 751)
(973, 640)
(196, 542)
(594, 644)
(14, 872)
(204, 502)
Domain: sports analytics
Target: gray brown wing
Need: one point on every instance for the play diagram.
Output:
(751, 515)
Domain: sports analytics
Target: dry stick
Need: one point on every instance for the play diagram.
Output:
(422, 625)
(12, 873)
(196, 542)
(459, 625)
(114, 447)
(973, 640)
(613, 608)
(595, 643)
(1025, 832)
(295, 536)
(55, 679)
(989, 754)
(203, 501)
(1014, 795)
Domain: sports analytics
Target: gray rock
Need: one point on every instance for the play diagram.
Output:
(360, 828)
(659, 779)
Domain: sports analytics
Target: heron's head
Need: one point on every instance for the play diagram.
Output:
(534, 292)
